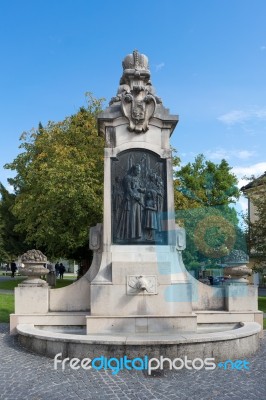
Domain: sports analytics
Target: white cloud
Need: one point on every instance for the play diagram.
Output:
(243, 154)
(233, 117)
(255, 169)
(261, 114)
(242, 204)
(221, 153)
(240, 116)
(217, 154)
(158, 67)
(242, 172)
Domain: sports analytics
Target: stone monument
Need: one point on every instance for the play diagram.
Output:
(137, 297)
(140, 274)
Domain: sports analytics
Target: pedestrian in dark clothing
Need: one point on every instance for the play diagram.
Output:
(13, 269)
(62, 270)
(57, 266)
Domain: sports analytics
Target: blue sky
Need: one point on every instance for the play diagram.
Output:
(207, 60)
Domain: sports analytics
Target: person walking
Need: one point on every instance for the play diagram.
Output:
(62, 270)
(13, 269)
(57, 266)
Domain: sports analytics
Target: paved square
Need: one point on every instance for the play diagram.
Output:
(29, 376)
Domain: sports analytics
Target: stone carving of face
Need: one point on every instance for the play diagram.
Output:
(137, 169)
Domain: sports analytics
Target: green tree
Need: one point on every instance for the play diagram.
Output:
(203, 193)
(205, 183)
(3, 254)
(59, 183)
(257, 229)
(12, 243)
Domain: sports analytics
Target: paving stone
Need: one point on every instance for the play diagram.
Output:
(27, 376)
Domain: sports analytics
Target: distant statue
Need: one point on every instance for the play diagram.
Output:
(160, 199)
(130, 223)
(118, 195)
(151, 211)
(156, 185)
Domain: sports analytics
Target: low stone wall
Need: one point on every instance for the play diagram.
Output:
(235, 344)
(206, 297)
(75, 297)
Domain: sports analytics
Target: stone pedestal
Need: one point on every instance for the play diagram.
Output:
(31, 300)
(32, 295)
(168, 290)
(241, 297)
(51, 279)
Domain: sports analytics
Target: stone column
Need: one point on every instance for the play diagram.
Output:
(140, 271)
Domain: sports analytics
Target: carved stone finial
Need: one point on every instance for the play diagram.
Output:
(136, 61)
(236, 267)
(33, 256)
(136, 94)
(34, 261)
(236, 257)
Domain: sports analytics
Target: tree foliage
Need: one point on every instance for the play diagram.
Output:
(204, 183)
(3, 254)
(12, 243)
(203, 192)
(59, 183)
(257, 228)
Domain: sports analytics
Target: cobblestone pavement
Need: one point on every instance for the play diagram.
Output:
(24, 376)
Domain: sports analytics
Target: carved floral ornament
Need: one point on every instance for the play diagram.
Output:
(32, 256)
(136, 93)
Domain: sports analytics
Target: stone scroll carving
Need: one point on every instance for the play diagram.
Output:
(180, 238)
(138, 198)
(136, 94)
(96, 233)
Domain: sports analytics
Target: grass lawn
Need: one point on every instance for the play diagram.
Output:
(262, 307)
(64, 282)
(10, 285)
(7, 300)
(71, 277)
(6, 306)
(262, 304)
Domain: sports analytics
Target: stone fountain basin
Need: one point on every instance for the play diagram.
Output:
(81, 330)
(239, 341)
